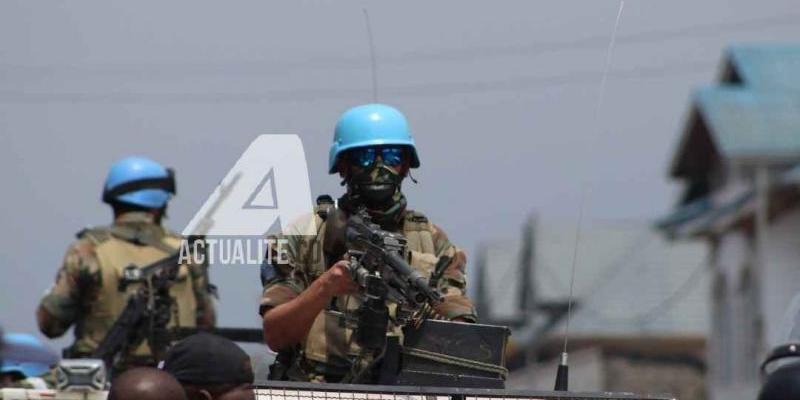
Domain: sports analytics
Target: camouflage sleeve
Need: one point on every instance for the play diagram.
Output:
(77, 280)
(453, 283)
(281, 273)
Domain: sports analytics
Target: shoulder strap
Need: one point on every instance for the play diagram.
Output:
(415, 221)
(96, 235)
(418, 232)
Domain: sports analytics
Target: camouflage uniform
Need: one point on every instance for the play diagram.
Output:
(328, 351)
(86, 291)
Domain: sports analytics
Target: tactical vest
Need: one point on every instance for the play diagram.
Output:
(117, 247)
(329, 341)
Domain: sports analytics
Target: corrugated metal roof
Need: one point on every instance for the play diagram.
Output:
(624, 270)
(766, 66)
(718, 210)
(747, 123)
(721, 208)
(685, 213)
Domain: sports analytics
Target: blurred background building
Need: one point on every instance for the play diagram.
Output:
(640, 306)
(739, 162)
(689, 310)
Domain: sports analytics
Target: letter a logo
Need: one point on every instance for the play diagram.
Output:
(268, 187)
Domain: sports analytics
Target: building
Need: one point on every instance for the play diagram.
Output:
(739, 162)
(640, 309)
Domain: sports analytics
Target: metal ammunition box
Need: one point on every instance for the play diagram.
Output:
(485, 344)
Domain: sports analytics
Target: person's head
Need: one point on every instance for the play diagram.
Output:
(145, 384)
(211, 367)
(373, 151)
(138, 184)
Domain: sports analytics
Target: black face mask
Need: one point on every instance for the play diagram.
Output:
(377, 187)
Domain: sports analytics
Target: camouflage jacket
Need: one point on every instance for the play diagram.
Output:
(329, 345)
(86, 291)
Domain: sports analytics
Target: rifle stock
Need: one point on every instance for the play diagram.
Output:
(144, 316)
(124, 331)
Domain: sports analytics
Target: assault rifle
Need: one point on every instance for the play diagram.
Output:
(378, 253)
(433, 352)
(147, 313)
(378, 267)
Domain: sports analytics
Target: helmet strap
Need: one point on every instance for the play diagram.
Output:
(166, 183)
(412, 177)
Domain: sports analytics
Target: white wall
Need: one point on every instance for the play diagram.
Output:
(747, 319)
(731, 374)
(781, 278)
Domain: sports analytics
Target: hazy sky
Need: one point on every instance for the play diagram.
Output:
(500, 96)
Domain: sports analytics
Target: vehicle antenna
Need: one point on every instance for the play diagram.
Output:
(373, 62)
(562, 374)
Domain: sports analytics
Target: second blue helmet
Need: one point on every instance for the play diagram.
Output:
(26, 354)
(371, 125)
(139, 181)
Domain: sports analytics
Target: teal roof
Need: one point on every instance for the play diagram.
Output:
(766, 66)
(685, 213)
(751, 115)
(705, 214)
(754, 111)
(746, 122)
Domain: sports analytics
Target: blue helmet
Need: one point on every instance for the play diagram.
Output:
(25, 354)
(371, 125)
(140, 182)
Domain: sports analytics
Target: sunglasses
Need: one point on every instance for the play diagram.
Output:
(391, 156)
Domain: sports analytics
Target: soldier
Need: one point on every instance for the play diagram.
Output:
(372, 151)
(87, 291)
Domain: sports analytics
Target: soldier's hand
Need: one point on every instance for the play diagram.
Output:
(337, 280)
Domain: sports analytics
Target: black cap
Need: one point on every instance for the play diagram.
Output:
(206, 359)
